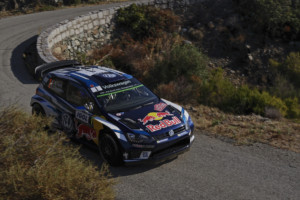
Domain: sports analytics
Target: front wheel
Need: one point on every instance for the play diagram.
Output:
(109, 150)
(38, 110)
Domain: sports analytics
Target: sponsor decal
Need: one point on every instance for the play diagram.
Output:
(118, 91)
(154, 116)
(116, 85)
(108, 75)
(82, 116)
(67, 122)
(88, 132)
(164, 124)
(96, 89)
(160, 106)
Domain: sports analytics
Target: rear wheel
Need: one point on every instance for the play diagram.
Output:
(109, 150)
(38, 110)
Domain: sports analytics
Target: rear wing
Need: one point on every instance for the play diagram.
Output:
(42, 70)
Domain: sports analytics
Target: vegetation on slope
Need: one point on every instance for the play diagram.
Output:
(177, 70)
(278, 18)
(36, 165)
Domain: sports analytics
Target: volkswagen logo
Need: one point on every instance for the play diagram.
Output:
(171, 133)
(109, 75)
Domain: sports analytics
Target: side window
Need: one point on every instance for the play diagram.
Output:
(57, 86)
(78, 96)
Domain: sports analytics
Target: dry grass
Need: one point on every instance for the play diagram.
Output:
(36, 165)
(247, 129)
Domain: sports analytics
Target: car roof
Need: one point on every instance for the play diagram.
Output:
(92, 76)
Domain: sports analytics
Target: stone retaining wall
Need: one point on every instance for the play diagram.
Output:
(89, 31)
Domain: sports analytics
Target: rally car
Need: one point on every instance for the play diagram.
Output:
(112, 111)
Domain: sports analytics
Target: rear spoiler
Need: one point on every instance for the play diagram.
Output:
(42, 70)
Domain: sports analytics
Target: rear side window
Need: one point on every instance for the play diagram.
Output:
(78, 96)
(57, 86)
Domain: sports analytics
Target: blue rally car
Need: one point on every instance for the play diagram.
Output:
(112, 111)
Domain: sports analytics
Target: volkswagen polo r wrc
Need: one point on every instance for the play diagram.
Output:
(112, 111)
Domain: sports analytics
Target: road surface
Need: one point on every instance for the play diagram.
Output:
(212, 169)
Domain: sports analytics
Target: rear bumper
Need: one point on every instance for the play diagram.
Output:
(179, 147)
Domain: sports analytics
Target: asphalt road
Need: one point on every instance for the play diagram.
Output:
(212, 169)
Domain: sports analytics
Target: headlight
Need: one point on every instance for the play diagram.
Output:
(187, 126)
(186, 117)
(139, 138)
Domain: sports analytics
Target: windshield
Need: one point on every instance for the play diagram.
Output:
(125, 95)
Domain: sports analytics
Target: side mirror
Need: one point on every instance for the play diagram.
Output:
(89, 106)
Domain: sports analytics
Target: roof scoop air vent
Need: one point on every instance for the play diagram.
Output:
(109, 77)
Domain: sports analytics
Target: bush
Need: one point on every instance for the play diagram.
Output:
(182, 61)
(287, 82)
(292, 66)
(293, 108)
(218, 91)
(35, 165)
(279, 18)
(178, 90)
(146, 21)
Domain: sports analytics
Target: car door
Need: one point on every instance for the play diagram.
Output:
(57, 89)
(84, 108)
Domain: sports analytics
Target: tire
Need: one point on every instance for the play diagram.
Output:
(110, 150)
(38, 110)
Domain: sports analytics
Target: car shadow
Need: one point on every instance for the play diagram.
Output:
(18, 65)
(93, 156)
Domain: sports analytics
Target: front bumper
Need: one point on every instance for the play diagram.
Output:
(163, 152)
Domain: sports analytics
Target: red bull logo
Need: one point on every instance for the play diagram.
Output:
(86, 131)
(160, 106)
(154, 116)
(163, 124)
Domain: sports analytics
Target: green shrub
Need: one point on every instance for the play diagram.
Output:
(145, 21)
(35, 165)
(182, 61)
(218, 91)
(292, 65)
(293, 108)
(279, 18)
(287, 82)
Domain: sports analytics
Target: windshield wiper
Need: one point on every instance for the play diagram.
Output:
(149, 103)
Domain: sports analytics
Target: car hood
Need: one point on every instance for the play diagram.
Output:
(154, 118)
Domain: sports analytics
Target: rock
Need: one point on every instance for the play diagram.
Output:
(297, 44)
(192, 109)
(250, 57)
(211, 25)
(198, 25)
(57, 50)
(187, 42)
(210, 64)
(184, 30)
(196, 34)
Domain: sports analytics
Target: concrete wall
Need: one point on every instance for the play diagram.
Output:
(89, 31)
